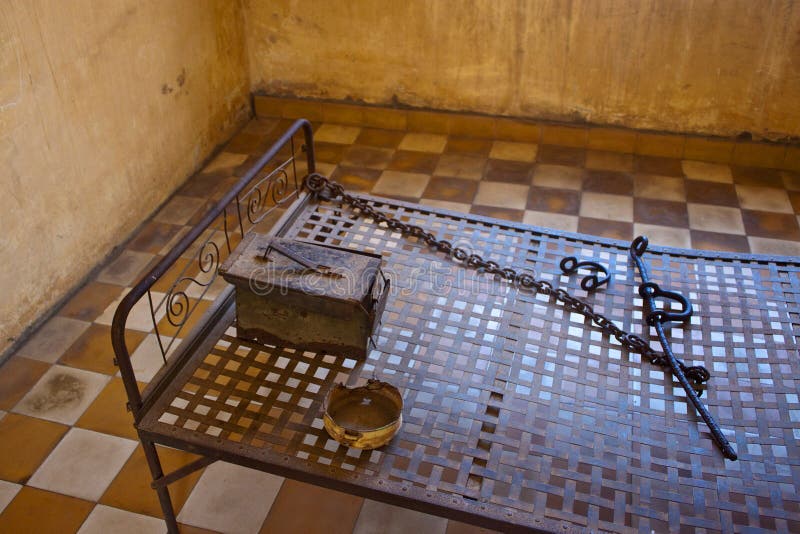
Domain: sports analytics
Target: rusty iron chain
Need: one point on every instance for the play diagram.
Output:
(327, 189)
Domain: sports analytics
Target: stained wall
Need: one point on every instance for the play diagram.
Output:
(692, 66)
(105, 108)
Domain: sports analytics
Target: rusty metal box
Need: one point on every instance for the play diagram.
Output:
(305, 295)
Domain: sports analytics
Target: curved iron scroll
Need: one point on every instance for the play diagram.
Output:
(176, 305)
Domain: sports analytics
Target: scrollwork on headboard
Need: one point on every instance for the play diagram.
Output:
(192, 263)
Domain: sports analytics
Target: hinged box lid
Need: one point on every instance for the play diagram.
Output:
(265, 263)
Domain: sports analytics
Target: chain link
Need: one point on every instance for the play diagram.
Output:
(327, 189)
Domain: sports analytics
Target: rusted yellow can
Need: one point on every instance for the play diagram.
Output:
(365, 417)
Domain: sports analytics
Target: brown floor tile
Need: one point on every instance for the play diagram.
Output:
(366, 156)
(759, 154)
(247, 143)
(93, 352)
(499, 213)
(561, 155)
(609, 161)
(409, 161)
(428, 121)
(179, 209)
(451, 189)
(660, 212)
(605, 228)
(658, 166)
(794, 198)
(90, 301)
(566, 136)
(329, 152)
(757, 176)
(661, 145)
(37, 511)
(711, 193)
(770, 224)
(615, 139)
(17, 376)
(388, 119)
(468, 145)
(361, 180)
(153, 237)
(716, 241)
(517, 130)
(791, 161)
(461, 166)
(610, 182)
(703, 149)
(307, 109)
(479, 126)
(334, 512)
(165, 282)
(791, 180)
(260, 126)
(25, 442)
(172, 325)
(202, 185)
(456, 527)
(380, 138)
(107, 414)
(131, 489)
(554, 200)
(513, 172)
(342, 113)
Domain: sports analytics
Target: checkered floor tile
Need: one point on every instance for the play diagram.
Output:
(69, 458)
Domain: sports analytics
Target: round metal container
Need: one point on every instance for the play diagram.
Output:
(365, 417)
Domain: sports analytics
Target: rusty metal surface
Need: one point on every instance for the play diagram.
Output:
(305, 295)
(517, 413)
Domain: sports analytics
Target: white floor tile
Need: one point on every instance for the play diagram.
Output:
(558, 221)
(379, 518)
(139, 317)
(83, 464)
(608, 207)
(763, 245)
(53, 338)
(62, 394)
(105, 519)
(664, 236)
(231, 499)
(7, 493)
(147, 360)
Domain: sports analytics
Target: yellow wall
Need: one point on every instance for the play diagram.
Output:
(696, 66)
(105, 108)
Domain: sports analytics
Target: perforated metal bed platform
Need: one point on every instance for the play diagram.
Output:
(517, 413)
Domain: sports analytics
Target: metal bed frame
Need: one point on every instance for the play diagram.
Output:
(519, 415)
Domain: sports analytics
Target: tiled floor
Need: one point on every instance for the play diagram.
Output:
(69, 458)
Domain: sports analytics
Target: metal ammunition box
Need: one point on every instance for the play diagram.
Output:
(305, 295)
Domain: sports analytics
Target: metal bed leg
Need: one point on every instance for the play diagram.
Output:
(162, 490)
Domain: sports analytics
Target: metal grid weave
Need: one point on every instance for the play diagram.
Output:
(515, 406)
